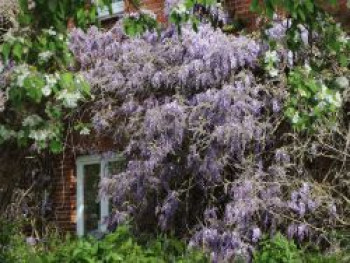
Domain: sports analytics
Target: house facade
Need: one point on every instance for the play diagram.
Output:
(77, 206)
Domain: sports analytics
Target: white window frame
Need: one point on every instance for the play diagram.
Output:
(104, 201)
(117, 9)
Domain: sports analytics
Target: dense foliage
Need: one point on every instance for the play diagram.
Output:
(119, 246)
(199, 118)
(226, 138)
(38, 88)
(59, 14)
(279, 249)
(123, 246)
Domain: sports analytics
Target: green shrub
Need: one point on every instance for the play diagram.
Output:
(278, 250)
(120, 246)
(332, 258)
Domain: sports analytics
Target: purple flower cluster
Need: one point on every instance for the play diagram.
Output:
(301, 201)
(225, 246)
(168, 210)
(200, 60)
(195, 123)
(299, 231)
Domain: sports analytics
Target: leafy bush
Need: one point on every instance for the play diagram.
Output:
(310, 100)
(38, 90)
(321, 258)
(120, 246)
(16, 246)
(7, 231)
(58, 13)
(280, 249)
(277, 249)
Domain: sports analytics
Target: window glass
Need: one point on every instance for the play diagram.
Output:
(91, 202)
(117, 7)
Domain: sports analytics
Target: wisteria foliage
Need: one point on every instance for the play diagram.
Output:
(196, 122)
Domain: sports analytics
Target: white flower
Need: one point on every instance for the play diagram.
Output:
(22, 72)
(271, 56)
(45, 56)
(31, 5)
(85, 131)
(307, 68)
(8, 37)
(70, 100)
(46, 90)
(321, 105)
(323, 93)
(3, 100)
(32, 120)
(342, 82)
(51, 81)
(60, 37)
(337, 100)
(343, 38)
(5, 134)
(50, 31)
(273, 72)
(40, 135)
(296, 118)
(180, 9)
(302, 92)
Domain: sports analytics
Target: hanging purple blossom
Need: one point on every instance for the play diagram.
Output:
(194, 124)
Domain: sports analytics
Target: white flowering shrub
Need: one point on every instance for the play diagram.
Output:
(38, 87)
(36, 94)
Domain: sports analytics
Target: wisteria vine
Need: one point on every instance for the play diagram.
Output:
(196, 118)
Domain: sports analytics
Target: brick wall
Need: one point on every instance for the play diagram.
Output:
(156, 6)
(64, 193)
(240, 9)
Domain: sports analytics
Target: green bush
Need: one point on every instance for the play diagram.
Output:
(120, 246)
(278, 250)
(319, 258)
(281, 250)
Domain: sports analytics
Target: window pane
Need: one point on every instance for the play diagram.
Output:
(91, 202)
(117, 7)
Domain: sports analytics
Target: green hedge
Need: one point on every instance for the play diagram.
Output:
(120, 246)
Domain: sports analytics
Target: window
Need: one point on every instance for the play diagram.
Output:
(93, 209)
(117, 8)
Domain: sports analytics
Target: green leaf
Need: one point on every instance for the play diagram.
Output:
(33, 86)
(5, 50)
(343, 60)
(254, 6)
(66, 80)
(301, 14)
(52, 4)
(17, 51)
(309, 5)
